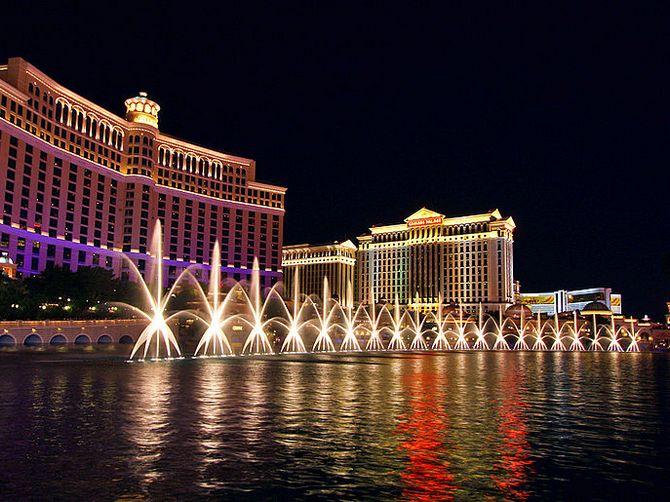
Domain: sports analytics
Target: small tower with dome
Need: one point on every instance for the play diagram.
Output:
(142, 115)
(142, 110)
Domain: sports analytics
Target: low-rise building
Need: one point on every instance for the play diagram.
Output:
(549, 302)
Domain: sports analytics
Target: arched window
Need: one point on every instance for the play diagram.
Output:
(121, 135)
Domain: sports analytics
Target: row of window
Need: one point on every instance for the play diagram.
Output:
(71, 202)
(82, 133)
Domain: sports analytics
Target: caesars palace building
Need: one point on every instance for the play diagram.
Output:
(80, 185)
(465, 260)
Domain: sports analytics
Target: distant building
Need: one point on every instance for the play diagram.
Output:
(335, 261)
(566, 301)
(464, 259)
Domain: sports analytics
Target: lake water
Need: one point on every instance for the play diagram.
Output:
(392, 426)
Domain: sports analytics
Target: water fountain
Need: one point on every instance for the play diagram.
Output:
(418, 342)
(396, 343)
(350, 342)
(632, 346)
(374, 342)
(441, 342)
(214, 341)
(595, 342)
(241, 308)
(293, 342)
(614, 345)
(480, 343)
(558, 344)
(460, 325)
(323, 342)
(539, 344)
(257, 342)
(521, 333)
(501, 342)
(158, 333)
(576, 344)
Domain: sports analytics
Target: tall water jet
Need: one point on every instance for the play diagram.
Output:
(521, 333)
(614, 345)
(461, 340)
(323, 342)
(500, 343)
(293, 342)
(374, 342)
(257, 342)
(558, 341)
(350, 342)
(214, 341)
(157, 334)
(480, 343)
(440, 342)
(576, 344)
(633, 346)
(539, 341)
(418, 342)
(397, 343)
(595, 343)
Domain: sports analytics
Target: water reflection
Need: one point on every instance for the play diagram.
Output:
(148, 426)
(211, 394)
(255, 396)
(426, 475)
(388, 426)
(513, 448)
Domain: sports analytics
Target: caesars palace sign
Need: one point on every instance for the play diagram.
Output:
(422, 222)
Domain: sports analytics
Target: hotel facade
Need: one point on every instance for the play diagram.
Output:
(81, 185)
(311, 263)
(466, 260)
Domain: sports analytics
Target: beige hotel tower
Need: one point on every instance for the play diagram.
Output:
(310, 263)
(464, 259)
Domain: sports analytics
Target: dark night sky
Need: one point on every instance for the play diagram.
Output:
(558, 117)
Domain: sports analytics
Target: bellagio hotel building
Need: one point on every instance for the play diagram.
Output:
(80, 185)
(464, 259)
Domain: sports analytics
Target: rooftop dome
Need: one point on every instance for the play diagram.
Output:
(142, 110)
(596, 308)
(517, 309)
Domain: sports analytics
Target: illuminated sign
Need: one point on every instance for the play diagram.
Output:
(586, 297)
(537, 299)
(422, 222)
(615, 300)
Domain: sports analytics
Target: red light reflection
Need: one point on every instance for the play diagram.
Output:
(514, 448)
(426, 476)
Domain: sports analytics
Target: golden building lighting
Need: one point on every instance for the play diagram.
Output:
(464, 259)
(336, 262)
